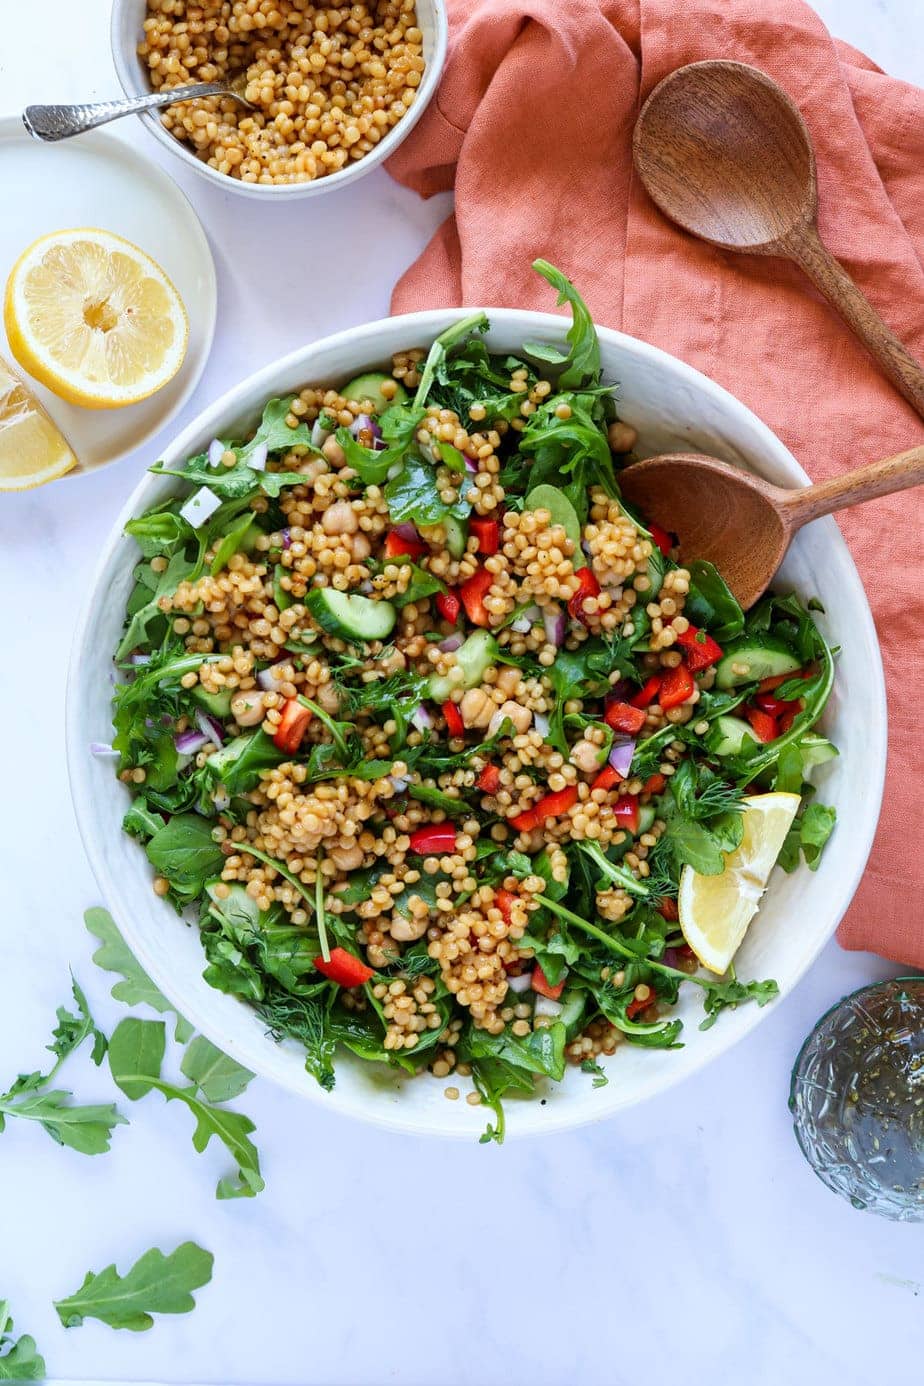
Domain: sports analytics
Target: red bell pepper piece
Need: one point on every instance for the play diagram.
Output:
(489, 780)
(763, 725)
(626, 812)
(635, 1006)
(449, 605)
(769, 685)
(454, 724)
(434, 839)
(293, 725)
(789, 716)
(654, 784)
(648, 692)
(589, 587)
(661, 537)
(550, 806)
(344, 968)
(487, 532)
(676, 686)
(397, 546)
(623, 717)
(668, 909)
(607, 777)
(473, 593)
(701, 650)
(543, 986)
(505, 900)
(774, 706)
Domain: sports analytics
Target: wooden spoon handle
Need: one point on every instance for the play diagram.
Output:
(830, 278)
(866, 483)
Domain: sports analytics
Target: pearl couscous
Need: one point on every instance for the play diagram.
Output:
(424, 725)
(324, 83)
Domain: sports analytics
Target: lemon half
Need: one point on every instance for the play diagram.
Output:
(94, 318)
(715, 911)
(32, 450)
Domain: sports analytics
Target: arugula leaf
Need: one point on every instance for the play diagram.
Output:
(87, 1129)
(137, 630)
(185, 852)
(232, 540)
(275, 432)
(161, 531)
(541, 1051)
(442, 346)
(421, 585)
(71, 1030)
(412, 495)
(613, 875)
(140, 821)
(217, 1076)
(155, 1284)
(239, 763)
(807, 837)
(136, 1052)
(731, 993)
(711, 603)
(19, 1360)
(581, 365)
(399, 424)
(494, 1079)
(136, 987)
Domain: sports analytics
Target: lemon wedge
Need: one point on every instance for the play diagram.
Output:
(31, 448)
(94, 318)
(715, 911)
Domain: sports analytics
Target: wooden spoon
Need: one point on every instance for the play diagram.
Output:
(724, 152)
(742, 523)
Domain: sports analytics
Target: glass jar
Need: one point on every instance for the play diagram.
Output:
(857, 1098)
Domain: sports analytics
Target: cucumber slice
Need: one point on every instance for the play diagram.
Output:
(646, 817)
(369, 386)
(456, 536)
(218, 704)
(473, 658)
(764, 659)
(281, 597)
(726, 737)
(562, 512)
(816, 750)
(656, 567)
(573, 1003)
(349, 616)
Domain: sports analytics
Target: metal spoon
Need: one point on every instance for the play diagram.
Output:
(743, 524)
(725, 153)
(51, 123)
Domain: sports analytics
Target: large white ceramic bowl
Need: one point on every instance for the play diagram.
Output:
(125, 33)
(675, 409)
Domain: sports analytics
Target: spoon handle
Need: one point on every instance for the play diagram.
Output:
(52, 123)
(829, 276)
(864, 484)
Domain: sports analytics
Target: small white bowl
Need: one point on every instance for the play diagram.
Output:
(675, 409)
(126, 32)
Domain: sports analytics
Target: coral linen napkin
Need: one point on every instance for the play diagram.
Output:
(532, 125)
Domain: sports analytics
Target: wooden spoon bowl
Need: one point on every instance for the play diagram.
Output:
(741, 523)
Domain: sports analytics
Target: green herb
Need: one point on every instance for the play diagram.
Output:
(239, 764)
(19, 1359)
(591, 1066)
(136, 1052)
(442, 346)
(710, 602)
(136, 987)
(185, 852)
(618, 876)
(305, 1020)
(581, 365)
(155, 1284)
(807, 837)
(412, 495)
(399, 424)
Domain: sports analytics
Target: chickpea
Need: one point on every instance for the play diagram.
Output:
(360, 546)
(409, 930)
(476, 708)
(339, 518)
(328, 697)
(508, 680)
(334, 453)
(621, 436)
(585, 757)
(347, 858)
(248, 709)
(521, 717)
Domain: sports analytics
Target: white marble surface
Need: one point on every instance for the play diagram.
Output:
(684, 1241)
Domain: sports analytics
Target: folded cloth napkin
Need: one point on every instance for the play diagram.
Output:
(532, 126)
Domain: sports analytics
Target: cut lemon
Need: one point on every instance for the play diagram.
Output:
(31, 448)
(715, 911)
(94, 318)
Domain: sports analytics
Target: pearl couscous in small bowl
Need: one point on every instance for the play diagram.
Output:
(308, 134)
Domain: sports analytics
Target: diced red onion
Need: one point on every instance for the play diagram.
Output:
(521, 983)
(366, 423)
(620, 756)
(399, 782)
(319, 434)
(556, 625)
(620, 692)
(585, 550)
(221, 800)
(452, 642)
(286, 538)
(256, 459)
(216, 452)
(470, 464)
(189, 742)
(103, 750)
(408, 531)
(366, 586)
(138, 659)
(211, 728)
(269, 679)
(522, 625)
(541, 723)
(547, 1007)
(421, 718)
(200, 506)
(672, 957)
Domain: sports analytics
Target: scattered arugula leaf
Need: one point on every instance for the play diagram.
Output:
(581, 365)
(217, 1076)
(155, 1284)
(136, 987)
(19, 1359)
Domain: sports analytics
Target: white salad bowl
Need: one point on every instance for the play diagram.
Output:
(675, 409)
(126, 32)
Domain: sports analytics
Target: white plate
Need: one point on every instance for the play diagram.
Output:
(98, 180)
(675, 409)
